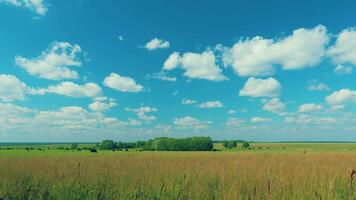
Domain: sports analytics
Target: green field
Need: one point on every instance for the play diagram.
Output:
(266, 171)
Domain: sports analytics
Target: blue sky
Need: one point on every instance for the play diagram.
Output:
(129, 70)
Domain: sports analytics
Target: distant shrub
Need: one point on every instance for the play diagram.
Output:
(107, 145)
(182, 144)
(245, 145)
(74, 146)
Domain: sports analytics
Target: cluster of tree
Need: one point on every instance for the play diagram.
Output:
(229, 144)
(181, 144)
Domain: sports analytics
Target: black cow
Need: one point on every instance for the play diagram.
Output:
(93, 150)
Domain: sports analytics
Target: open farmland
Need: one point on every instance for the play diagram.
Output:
(297, 171)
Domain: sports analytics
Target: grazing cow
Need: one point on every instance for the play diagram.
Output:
(93, 150)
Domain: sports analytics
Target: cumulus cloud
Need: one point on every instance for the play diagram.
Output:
(342, 97)
(260, 119)
(255, 87)
(231, 112)
(161, 76)
(65, 120)
(310, 119)
(38, 6)
(309, 107)
(274, 105)
(196, 66)
(232, 121)
(102, 106)
(211, 104)
(122, 83)
(11, 88)
(142, 112)
(71, 89)
(188, 101)
(189, 122)
(342, 69)
(344, 50)
(259, 56)
(54, 63)
(315, 85)
(157, 44)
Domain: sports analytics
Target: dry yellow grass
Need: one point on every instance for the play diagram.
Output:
(173, 175)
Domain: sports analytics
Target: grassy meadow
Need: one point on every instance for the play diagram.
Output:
(266, 171)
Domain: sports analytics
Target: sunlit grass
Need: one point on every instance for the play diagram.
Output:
(176, 175)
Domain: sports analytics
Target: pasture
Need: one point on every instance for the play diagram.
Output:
(266, 171)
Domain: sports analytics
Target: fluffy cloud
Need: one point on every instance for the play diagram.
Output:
(342, 97)
(232, 121)
(196, 66)
(344, 50)
(260, 120)
(189, 122)
(211, 104)
(231, 112)
(188, 101)
(11, 88)
(161, 76)
(73, 90)
(310, 119)
(65, 120)
(341, 69)
(54, 63)
(157, 44)
(314, 85)
(37, 6)
(255, 87)
(122, 83)
(309, 107)
(258, 56)
(274, 105)
(143, 111)
(100, 106)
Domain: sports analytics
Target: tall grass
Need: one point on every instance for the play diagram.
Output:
(155, 175)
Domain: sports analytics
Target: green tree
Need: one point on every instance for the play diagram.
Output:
(245, 145)
(107, 145)
(74, 146)
(231, 144)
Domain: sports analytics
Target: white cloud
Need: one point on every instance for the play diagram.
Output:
(122, 83)
(314, 85)
(196, 66)
(161, 76)
(255, 87)
(71, 89)
(100, 106)
(309, 107)
(211, 104)
(344, 50)
(260, 120)
(275, 106)
(157, 44)
(189, 122)
(259, 56)
(341, 97)
(54, 63)
(11, 88)
(341, 69)
(232, 121)
(64, 121)
(143, 111)
(310, 119)
(231, 112)
(38, 6)
(188, 101)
